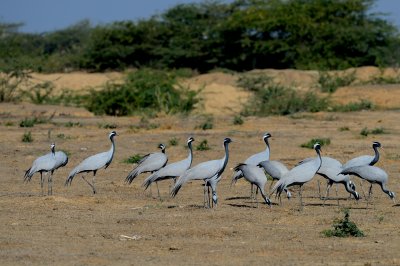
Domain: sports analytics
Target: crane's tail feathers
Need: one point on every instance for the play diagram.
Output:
(236, 175)
(132, 175)
(147, 182)
(68, 182)
(27, 176)
(176, 189)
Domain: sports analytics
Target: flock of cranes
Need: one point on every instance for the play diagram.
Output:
(255, 169)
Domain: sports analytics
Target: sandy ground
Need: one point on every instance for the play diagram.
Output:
(125, 225)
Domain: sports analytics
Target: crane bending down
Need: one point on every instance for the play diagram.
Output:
(255, 176)
(210, 172)
(299, 175)
(173, 170)
(374, 175)
(93, 164)
(254, 160)
(151, 162)
(47, 163)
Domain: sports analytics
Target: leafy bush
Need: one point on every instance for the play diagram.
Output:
(344, 129)
(174, 141)
(344, 227)
(10, 84)
(133, 159)
(321, 141)
(376, 131)
(40, 93)
(254, 81)
(203, 146)
(331, 82)
(27, 137)
(207, 124)
(144, 90)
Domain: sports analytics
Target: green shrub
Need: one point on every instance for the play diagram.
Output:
(27, 137)
(378, 130)
(364, 132)
(344, 227)
(254, 81)
(107, 125)
(203, 146)
(238, 120)
(321, 141)
(40, 93)
(207, 124)
(144, 90)
(30, 122)
(10, 84)
(174, 141)
(331, 82)
(344, 129)
(133, 159)
(72, 124)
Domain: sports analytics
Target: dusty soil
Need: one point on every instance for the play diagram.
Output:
(125, 225)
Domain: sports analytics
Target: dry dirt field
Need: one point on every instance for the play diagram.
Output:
(125, 225)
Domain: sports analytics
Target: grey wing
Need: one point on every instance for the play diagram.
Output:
(358, 161)
(275, 169)
(258, 157)
(169, 171)
(153, 162)
(43, 163)
(367, 172)
(254, 174)
(61, 159)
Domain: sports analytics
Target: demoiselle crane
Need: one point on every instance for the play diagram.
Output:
(47, 163)
(173, 170)
(255, 176)
(254, 160)
(150, 163)
(93, 164)
(372, 174)
(210, 172)
(299, 175)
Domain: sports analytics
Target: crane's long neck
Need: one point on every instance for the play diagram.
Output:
(225, 159)
(112, 149)
(267, 150)
(384, 189)
(348, 187)
(190, 157)
(53, 151)
(319, 158)
(376, 157)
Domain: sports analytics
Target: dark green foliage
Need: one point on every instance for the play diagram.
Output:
(321, 141)
(174, 141)
(40, 93)
(10, 84)
(27, 137)
(203, 146)
(331, 82)
(144, 90)
(376, 131)
(133, 159)
(237, 35)
(344, 129)
(344, 227)
(107, 125)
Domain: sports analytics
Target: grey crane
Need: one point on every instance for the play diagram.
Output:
(151, 162)
(372, 174)
(210, 172)
(364, 160)
(173, 170)
(93, 164)
(254, 160)
(276, 170)
(255, 176)
(299, 175)
(330, 169)
(47, 163)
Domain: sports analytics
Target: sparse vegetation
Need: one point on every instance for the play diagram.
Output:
(321, 141)
(133, 159)
(174, 141)
(344, 227)
(354, 106)
(344, 129)
(107, 125)
(376, 131)
(27, 137)
(144, 124)
(238, 120)
(207, 124)
(329, 82)
(203, 146)
(72, 124)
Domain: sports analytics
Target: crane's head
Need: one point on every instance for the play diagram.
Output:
(161, 147)
(376, 144)
(391, 195)
(317, 146)
(227, 141)
(112, 134)
(190, 140)
(215, 198)
(352, 185)
(356, 195)
(52, 147)
(266, 136)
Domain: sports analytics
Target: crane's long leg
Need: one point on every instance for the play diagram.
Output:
(158, 191)
(319, 191)
(92, 186)
(272, 182)
(301, 198)
(210, 202)
(41, 182)
(327, 192)
(204, 194)
(362, 188)
(251, 191)
(370, 191)
(49, 185)
(256, 196)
